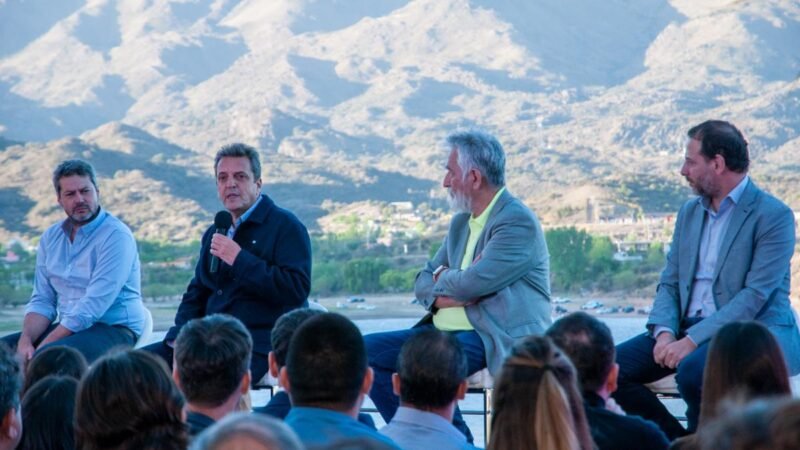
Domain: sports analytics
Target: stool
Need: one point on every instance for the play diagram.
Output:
(482, 383)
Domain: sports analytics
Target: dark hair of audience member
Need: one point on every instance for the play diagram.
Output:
(56, 360)
(283, 330)
(247, 431)
(772, 424)
(431, 366)
(326, 363)
(47, 412)
(537, 405)
(744, 361)
(10, 388)
(212, 355)
(128, 400)
(589, 346)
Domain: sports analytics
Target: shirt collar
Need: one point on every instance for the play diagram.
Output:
(733, 196)
(247, 213)
(87, 228)
(484, 217)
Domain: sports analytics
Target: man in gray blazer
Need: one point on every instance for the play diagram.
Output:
(729, 261)
(489, 282)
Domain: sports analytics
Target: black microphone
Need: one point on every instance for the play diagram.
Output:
(222, 221)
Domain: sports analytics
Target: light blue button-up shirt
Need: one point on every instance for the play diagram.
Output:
(94, 278)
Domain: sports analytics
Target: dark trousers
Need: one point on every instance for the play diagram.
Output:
(258, 363)
(637, 367)
(92, 342)
(382, 351)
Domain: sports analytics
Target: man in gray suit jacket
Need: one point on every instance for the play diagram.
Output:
(729, 261)
(489, 281)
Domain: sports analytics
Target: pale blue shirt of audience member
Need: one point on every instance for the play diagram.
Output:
(94, 278)
(242, 218)
(701, 301)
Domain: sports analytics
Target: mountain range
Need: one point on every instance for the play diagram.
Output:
(349, 101)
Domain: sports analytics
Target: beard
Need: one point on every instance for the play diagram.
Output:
(459, 202)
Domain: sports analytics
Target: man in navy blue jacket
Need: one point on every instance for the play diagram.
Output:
(264, 260)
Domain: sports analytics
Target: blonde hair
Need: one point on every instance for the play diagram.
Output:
(537, 405)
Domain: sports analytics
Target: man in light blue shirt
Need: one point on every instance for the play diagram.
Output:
(87, 276)
(431, 378)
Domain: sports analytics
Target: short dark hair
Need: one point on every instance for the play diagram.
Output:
(72, 167)
(10, 380)
(326, 363)
(431, 366)
(128, 400)
(239, 150)
(283, 330)
(55, 360)
(718, 137)
(212, 354)
(47, 413)
(589, 345)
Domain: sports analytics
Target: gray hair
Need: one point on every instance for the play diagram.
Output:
(269, 431)
(72, 167)
(482, 151)
(239, 150)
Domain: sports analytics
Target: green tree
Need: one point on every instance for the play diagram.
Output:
(569, 261)
(363, 275)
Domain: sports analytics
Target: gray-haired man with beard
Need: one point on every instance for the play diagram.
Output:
(488, 284)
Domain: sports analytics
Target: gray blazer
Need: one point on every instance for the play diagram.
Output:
(511, 280)
(751, 280)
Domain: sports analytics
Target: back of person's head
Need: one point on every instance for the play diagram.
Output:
(56, 360)
(244, 431)
(284, 329)
(128, 400)
(718, 137)
(212, 359)
(327, 363)
(744, 362)
(10, 388)
(47, 412)
(432, 367)
(536, 401)
(760, 425)
(589, 345)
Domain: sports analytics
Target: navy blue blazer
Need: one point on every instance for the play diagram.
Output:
(270, 276)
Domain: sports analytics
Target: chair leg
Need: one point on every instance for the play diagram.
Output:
(487, 417)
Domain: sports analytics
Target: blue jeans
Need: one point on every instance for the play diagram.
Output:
(92, 342)
(382, 351)
(637, 367)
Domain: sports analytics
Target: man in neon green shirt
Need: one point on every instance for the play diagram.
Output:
(488, 283)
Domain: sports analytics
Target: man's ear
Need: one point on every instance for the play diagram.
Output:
(611, 381)
(283, 379)
(175, 377)
(244, 388)
(462, 390)
(11, 426)
(366, 386)
(396, 384)
(273, 365)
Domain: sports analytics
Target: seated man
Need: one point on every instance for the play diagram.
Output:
(87, 275)
(729, 261)
(212, 368)
(489, 282)
(10, 388)
(431, 378)
(588, 343)
(256, 269)
(327, 377)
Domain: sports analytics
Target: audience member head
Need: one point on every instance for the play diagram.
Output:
(212, 360)
(47, 414)
(243, 431)
(589, 345)
(718, 137)
(536, 401)
(127, 400)
(326, 366)
(481, 151)
(10, 388)
(761, 425)
(744, 362)
(56, 360)
(282, 334)
(431, 371)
